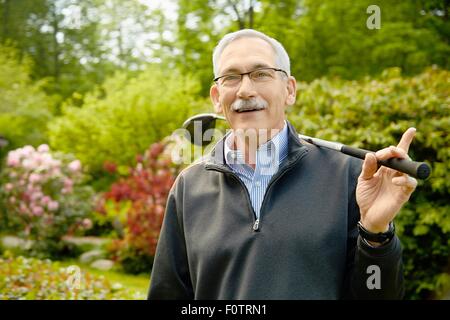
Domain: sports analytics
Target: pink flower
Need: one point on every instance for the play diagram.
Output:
(29, 164)
(43, 148)
(86, 223)
(34, 177)
(55, 164)
(38, 159)
(55, 172)
(27, 150)
(13, 159)
(53, 206)
(23, 208)
(47, 158)
(30, 188)
(12, 200)
(37, 211)
(68, 184)
(36, 195)
(75, 166)
(46, 200)
(9, 186)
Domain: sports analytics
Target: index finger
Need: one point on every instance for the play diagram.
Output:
(406, 139)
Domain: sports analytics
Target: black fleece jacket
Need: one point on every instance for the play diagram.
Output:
(307, 245)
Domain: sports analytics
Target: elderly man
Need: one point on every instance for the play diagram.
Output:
(269, 216)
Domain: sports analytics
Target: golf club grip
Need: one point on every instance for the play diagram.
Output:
(419, 170)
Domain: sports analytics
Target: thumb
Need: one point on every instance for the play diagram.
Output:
(369, 167)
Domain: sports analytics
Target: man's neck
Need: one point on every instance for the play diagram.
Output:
(249, 141)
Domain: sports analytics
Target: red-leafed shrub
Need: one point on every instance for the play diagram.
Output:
(136, 204)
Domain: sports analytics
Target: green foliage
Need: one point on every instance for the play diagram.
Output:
(24, 107)
(323, 38)
(331, 38)
(125, 116)
(196, 37)
(133, 261)
(70, 46)
(75, 50)
(33, 279)
(373, 114)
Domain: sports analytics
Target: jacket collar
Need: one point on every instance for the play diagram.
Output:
(273, 151)
(295, 150)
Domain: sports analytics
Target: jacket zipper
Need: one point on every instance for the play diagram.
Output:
(277, 177)
(257, 223)
(255, 226)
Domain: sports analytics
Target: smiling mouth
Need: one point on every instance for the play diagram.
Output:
(248, 110)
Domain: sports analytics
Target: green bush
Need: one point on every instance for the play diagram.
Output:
(33, 279)
(373, 114)
(124, 116)
(24, 107)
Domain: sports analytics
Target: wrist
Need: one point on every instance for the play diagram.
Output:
(376, 238)
(375, 228)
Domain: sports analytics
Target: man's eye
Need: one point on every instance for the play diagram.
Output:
(232, 77)
(261, 74)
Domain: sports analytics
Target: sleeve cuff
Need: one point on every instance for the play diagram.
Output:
(385, 249)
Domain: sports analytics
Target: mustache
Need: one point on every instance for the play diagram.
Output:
(241, 105)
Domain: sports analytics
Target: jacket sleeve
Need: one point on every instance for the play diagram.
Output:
(170, 277)
(371, 272)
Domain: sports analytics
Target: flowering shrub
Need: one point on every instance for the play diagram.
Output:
(138, 204)
(43, 196)
(33, 279)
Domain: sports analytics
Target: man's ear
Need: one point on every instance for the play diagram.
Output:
(214, 95)
(292, 91)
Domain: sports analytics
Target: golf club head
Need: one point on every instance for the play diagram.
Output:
(197, 125)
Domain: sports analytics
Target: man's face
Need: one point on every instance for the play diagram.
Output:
(244, 55)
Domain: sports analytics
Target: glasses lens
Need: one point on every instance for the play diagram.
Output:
(262, 75)
(231, 79)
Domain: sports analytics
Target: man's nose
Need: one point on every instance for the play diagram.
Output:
(246, 88)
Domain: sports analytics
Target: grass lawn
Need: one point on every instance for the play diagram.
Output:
(135, 283)
(138, 283)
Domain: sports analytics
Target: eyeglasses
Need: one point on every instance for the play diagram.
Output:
(258, 75)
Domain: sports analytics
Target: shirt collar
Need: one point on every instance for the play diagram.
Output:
(278, 144)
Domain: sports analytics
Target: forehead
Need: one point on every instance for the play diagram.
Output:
(244, 54)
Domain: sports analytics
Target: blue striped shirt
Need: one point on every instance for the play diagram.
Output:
(269, 156)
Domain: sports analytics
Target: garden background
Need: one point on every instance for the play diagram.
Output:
(91, 91)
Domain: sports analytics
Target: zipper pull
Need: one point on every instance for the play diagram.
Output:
(256, 225)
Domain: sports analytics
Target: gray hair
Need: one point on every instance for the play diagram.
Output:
(281, 56)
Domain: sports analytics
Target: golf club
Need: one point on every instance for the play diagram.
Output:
(198, 124)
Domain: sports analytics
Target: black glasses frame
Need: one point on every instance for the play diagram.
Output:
(244, 73)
